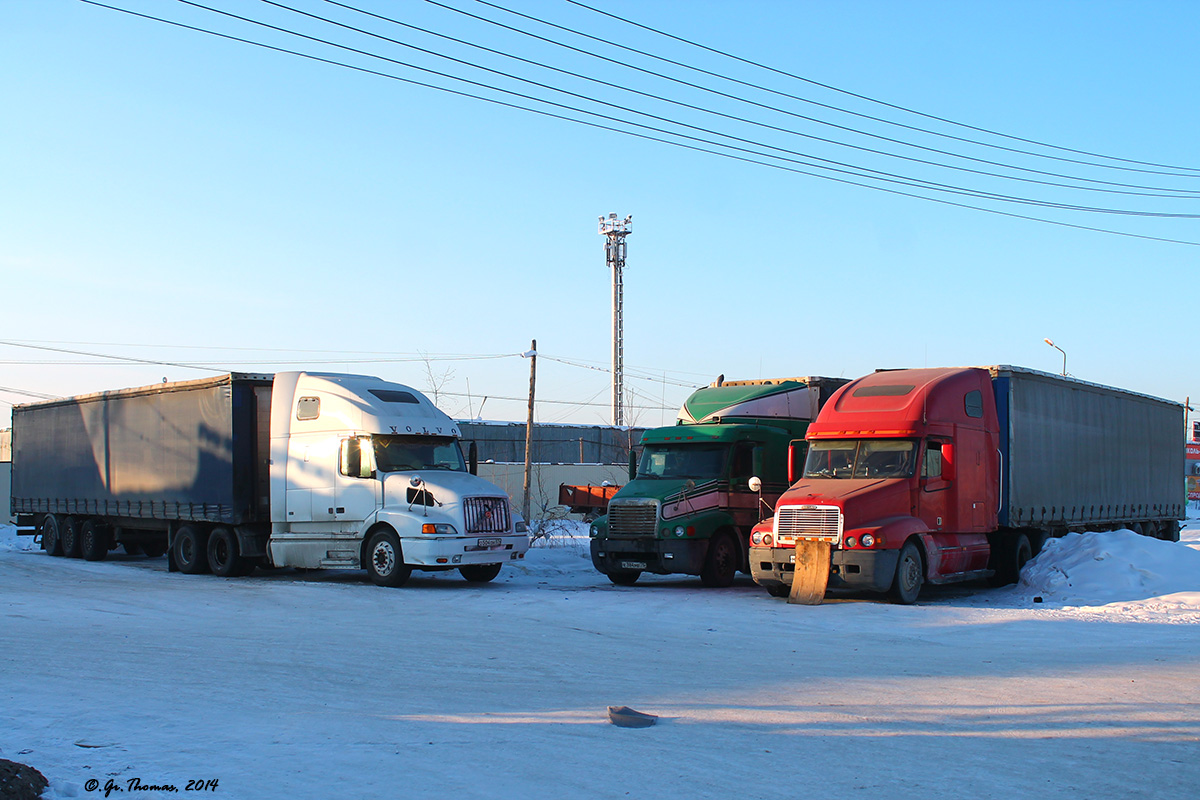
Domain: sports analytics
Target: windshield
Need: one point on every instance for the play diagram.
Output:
(695, 461)
(862, 458)
(401, 453)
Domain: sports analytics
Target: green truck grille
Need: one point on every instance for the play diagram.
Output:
(632, 517)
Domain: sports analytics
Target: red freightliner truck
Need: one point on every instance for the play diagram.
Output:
(941, 475)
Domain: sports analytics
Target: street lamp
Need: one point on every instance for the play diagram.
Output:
(1059, 349)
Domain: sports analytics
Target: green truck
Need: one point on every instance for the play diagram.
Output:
(690, 502)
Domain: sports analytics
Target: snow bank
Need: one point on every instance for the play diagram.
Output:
(10, 541)
(1117, 571)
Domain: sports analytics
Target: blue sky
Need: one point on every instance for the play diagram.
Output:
(172, 197)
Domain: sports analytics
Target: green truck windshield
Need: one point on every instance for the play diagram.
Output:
(861, 458)
(695, 461)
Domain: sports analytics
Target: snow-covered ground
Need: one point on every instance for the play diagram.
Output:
(317, 685)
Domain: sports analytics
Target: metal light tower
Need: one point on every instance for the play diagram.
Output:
(614, 232)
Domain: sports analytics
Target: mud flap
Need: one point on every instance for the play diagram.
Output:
(811, 577)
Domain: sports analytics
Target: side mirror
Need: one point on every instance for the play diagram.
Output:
(947, 461)
(632, 464)
(473, 458)
(797, 449)
(754, 484)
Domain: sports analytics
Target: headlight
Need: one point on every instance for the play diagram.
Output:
(867, 540)
(679, 530)
(521, 527)
(851, 542)
(768, 539)
(440, 529)
(756, 538)
(594, 530)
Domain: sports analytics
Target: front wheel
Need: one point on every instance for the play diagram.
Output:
(480, 573)
(910, 574)
(624, 577)
(721, 563)
(385, 560)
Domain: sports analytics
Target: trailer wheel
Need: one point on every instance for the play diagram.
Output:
(224, 558)
(910, 574)
(51, 535)
(480, 573)
(131, 548)
(153, 549)
(70, 537)
(93, 540)
(385, 560)
(624, 577)
(1012, 554)
(190, 555)
(721, 562)
(1023, 555)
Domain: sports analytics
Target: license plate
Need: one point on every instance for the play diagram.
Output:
(633, 565)
(488, 542)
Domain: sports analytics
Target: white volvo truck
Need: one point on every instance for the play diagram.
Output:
(299, 469)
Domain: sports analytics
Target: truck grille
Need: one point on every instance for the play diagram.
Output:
(632, 517)
(486, 514)
(808, 522)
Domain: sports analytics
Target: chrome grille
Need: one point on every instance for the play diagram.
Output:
(808, 522)
(486, 514)
(632, 517)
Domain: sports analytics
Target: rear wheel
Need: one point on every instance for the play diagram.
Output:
(480, 573)
(189, 551)
(51, 535)
(93, 540)
(153, 549)
(910, 574)
(70, 537)
(224, 558)
(721, 562)
(624, 577)
(131, 548)
(385, 560)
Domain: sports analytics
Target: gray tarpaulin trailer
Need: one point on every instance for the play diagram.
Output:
(1078, 455)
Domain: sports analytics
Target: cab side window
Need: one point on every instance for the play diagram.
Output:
(747, 461)
(931, 467)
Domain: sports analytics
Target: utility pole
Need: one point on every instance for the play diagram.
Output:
(532, 356)
(614, 232)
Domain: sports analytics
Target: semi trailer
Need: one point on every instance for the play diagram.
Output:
(689, 505)
(226, 474)
(940, 475)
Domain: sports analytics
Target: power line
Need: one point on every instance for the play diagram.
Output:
(27, 393)
(622, 131)
(858, 170)
(1175, 193)
(130, 359)
(893, 106)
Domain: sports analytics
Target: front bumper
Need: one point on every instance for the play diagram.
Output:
(439, 551)
(644, 554)
(866, 570)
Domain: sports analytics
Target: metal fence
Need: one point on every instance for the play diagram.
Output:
(504, 443)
